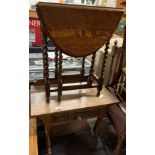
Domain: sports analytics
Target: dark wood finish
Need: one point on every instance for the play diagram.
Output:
(65, 78)
(60, 77)
(90, 78)
(56, 63)
(120, 88)
(73, 87)
(45, 64)
(95, 26)
(101, 78)
(83, 68)
(78, 40)
(118, 119)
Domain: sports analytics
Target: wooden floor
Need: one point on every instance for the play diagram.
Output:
(33, 143)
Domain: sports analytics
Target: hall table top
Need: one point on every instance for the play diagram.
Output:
(72, 101)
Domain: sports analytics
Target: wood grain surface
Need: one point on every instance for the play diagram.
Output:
(72, 101)
(33, 142)
(78, 30)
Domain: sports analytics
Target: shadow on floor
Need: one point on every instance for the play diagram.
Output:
(79, 143)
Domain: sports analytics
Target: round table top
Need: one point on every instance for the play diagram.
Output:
(78, 30)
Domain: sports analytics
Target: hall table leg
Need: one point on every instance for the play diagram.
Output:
(117, 150)
(96, 132)
(47, 127)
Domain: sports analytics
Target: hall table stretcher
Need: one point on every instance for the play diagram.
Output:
(75, 104)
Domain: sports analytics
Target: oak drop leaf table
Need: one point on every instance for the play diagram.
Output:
(78, 31)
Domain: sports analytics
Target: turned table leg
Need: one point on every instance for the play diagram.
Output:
(101, 78)
(60, 76)
(46, 64)
(47, 127)
(96, 132)
(119, 146)
(48, 142)
(91, 71)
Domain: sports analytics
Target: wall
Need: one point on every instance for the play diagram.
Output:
(110, 3)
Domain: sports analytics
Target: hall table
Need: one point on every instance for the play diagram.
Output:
(75, 104)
